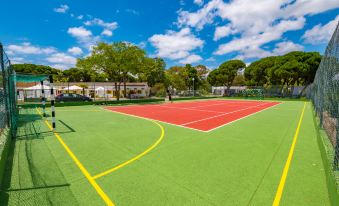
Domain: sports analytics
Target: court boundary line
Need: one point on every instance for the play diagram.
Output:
(182, 126)
(84, 171)
(245, 117)
(283, 178)
(226, 113)
(135, 158)
(187, 108)
(228, 101)
(131, 115)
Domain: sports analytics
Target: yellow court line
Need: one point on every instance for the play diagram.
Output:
(136, 157)
(81, 167)
(280, 189)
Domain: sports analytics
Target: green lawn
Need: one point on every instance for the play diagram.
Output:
(238, 164)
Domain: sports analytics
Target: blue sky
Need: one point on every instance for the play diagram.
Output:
(56, 32)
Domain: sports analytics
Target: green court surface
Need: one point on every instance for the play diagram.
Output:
(238, 164)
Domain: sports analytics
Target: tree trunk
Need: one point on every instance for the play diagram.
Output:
(125, 88)
(117, 91)
(228, 90)
(303, 90)
(282, 88)
(292, 90)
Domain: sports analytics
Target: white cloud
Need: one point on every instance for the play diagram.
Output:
(28, 53)
(199, 2)
(84, 37)
(28, 48)
(60, 66)
(62, 59)
(79, 32)
(223, 31)
(62, 9)
(80, 17)
(191, 59)
(211, 59)
(255, 23)
(142, 44)
(108, 26)
(251, 44)
(75, 50)
(285, 47)
(320, 33)
(107, 32)
(17, 60)
(310, 7)
(99, 22)
(200, 18)
(245, 14)
(175, 45)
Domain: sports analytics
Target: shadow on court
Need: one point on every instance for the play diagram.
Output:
(32, 175)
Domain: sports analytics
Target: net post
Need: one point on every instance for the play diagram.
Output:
(52, 101)
(43, 99)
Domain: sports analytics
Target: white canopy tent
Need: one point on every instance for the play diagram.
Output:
(100, 91)
(73, 88)
(38, 87)
(36, 91)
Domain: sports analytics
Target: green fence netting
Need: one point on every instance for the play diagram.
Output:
(8, 111)
(324, 93)
(29, 172)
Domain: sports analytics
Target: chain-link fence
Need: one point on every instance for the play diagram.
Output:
(270, 91)
(8, 110)
(324, 93)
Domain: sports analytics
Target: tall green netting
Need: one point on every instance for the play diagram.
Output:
(253, 93)
(324, 93)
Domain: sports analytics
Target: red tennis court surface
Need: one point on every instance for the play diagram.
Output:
(199, 115)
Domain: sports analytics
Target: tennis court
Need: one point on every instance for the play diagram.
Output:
(168, 154)
(199, 115)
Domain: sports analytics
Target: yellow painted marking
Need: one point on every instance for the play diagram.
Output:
(280, 189)
(136, 157)
(81, 167)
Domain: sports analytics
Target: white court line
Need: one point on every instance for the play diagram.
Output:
(189, 108)
(224, 114)
(131, 115)
(224, 103)
(182, 126)
(243, 117)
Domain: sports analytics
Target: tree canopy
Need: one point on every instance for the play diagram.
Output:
(294, 68)
(225, 74)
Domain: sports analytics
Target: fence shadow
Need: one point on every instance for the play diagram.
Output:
(27, 178)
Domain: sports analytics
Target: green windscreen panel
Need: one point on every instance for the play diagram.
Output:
(30, 77)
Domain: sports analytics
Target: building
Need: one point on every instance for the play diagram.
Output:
(94, 90)
(104, 90)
